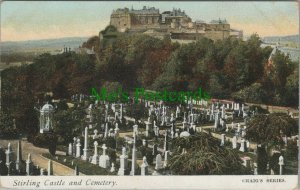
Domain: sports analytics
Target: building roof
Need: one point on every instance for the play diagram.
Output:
(145, 10)
(218, 21)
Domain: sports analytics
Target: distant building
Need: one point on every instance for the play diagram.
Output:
(124, 19)
(175, 23)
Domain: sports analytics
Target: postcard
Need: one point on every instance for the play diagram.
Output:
(149, 95)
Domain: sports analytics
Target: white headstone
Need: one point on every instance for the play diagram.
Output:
(112, 169)
(222, 139)
(78, 145)
(106, 130)
(234, 142)
(8, 153)
(70, 150)
(95, 134)
(42, 171)
(19, 156)
(28, 165)
(242, 148)
(123, 162)
(117, 130)
(144, 166)
(281, 163)
(50, 168)
(104, 159)
(95, 156)
(158, 162)
(134, 158)
(166, 159)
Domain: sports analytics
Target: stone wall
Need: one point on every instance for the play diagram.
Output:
(121, 21)
(216, 35)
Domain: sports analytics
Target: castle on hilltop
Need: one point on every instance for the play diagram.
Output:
(176, 23)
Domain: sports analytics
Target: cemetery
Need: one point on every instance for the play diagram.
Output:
(196, 137)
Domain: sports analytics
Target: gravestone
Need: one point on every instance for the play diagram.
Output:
(246, 161)
(8, 153)
(95, 156)
(112, 169)
(78, 145)
(42, 171)
(144, 166)
(74, 146)
(167, 153)
(165, 142)
(134, 158)
(281, 163)
(242, 148)
(70, 150)
(19, 156)
(158, 162)
(222, 139)
(234, 142)
(76, 171)
(95, 134)
(85, 149)
(123, 162)
(117, 131)
(50, 168)
(104, 159)
(106, 130)
(28, 165)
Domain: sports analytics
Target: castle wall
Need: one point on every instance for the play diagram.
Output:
(175, 22)
(216, 35)
(121, 21)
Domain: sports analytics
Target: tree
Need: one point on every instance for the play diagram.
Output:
(292, 89)
(65, 125)
(7, 130)
(262, 160)
(269, 129)
(254, 93)
(204, 156)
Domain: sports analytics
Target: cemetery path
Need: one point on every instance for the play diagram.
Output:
(36, 156)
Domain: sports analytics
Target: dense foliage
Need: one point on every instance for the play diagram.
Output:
(271, 128)
(231, 68)
(204, 156)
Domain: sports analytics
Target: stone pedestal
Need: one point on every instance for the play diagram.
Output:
(123, 162)
(85, 149)
(95, 156)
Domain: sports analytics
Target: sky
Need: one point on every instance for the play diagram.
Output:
(34, 20)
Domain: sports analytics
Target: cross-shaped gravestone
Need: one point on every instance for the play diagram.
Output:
(104, 159)
(95, 134)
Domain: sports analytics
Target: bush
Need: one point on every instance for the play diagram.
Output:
(274, 163)
(9, 133)
(291, 151)
(112, 155)
(254, 93)
(110, 142)
(46, 141)
(120, 142)
(262, 160)
(258, 110)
